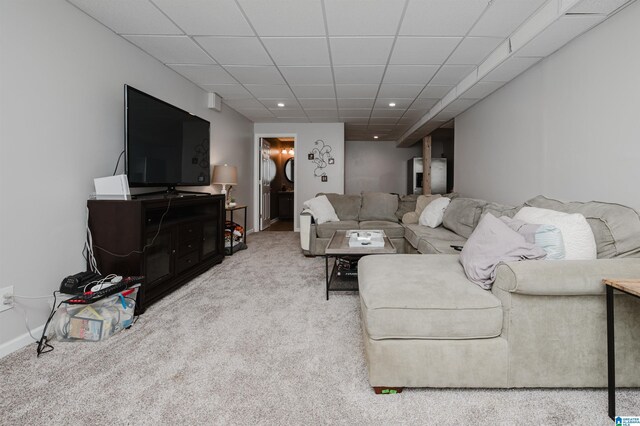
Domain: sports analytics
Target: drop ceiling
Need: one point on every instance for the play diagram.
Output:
(347, 60)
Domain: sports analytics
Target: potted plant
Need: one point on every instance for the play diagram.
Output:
(232, 202)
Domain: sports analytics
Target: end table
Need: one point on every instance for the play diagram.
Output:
(244, 236)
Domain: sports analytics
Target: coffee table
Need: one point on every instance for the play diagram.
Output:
(338, 248)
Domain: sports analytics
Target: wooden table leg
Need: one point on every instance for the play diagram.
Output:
(611, 357)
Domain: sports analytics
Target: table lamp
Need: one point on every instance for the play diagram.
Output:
(225, 175)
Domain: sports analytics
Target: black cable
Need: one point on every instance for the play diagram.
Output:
(118, 163)
(43, 345)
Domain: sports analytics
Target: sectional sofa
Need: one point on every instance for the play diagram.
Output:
(543, 324)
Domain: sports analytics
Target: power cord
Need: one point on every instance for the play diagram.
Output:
(43, 344)
(118, 163)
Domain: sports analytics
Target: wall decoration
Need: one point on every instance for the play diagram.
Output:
(321, 156)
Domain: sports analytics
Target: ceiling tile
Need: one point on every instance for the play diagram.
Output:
(386, 112)
(323, 91)
(423, 50)
(171, 49)
(354, 120)
(235, 50)
(355, 112)
(285, 17)
(332, 119)
(254, 113)
(358, 74)
(452, 74)
(244, 104)
(317, 103)
(459, 105)
(424, 103)
(414, 114)
(272, 103)
(435, 91)
(400, 90)
(204, 74)
(441, 17)
(325, 112)
(360, 50)
(228, 91)
(401, 104)
(307, 75)
(473, 50)
(504, 16)
(409, 74)
(597, 6)
(356, 90)
(363, 17)
(510, 69)
(356, 103)
(269, 90)
(383, 120)
(481, 89)
(298, 50)
(289, 113)
(206, 17)
(256, 74)
(128, 16)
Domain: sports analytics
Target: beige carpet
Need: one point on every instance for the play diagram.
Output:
(253, 341)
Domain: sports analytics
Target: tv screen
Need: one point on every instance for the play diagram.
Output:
(164, 145)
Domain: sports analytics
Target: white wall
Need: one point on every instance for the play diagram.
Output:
(377, 166)
(61, 112)
(306, 184)
(567, 128)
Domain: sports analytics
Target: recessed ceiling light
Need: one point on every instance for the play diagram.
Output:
(392, 104)
(281, 105)
(375, 137)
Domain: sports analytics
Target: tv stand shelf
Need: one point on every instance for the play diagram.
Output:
(169, 240)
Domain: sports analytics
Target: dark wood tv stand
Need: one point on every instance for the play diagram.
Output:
(168, 239)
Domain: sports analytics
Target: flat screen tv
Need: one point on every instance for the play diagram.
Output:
(164, 145)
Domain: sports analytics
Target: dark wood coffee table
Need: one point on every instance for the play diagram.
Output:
(339, 248)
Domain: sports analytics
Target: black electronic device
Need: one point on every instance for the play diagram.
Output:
(75, 284)
(456, 248)
(93, 296)
(164, 145)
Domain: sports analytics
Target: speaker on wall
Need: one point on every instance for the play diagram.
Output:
(215, 101)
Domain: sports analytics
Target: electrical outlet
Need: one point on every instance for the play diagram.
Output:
(6, 304)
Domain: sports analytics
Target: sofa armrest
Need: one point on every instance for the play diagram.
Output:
(307, 227)
(563, 277)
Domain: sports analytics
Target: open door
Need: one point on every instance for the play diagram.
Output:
(266, 175)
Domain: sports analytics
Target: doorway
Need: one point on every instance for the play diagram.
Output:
(277, 183)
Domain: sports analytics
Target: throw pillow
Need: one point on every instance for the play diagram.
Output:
(422, 202)
(579, 242)
(321, 209)
(489, 244)
(547, 237)
(434, 212)
(410, 217)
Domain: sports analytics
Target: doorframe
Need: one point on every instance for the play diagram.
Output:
(256, 172)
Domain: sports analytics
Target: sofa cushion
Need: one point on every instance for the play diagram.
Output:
(379, 206)
(326, 230)
(406, 204)
(615, 227)
(392, 229)
(432, 240)
(424, 297)
(347, 207)
(499, 210)
(463, 215)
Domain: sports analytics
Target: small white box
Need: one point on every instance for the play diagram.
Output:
(115, 187)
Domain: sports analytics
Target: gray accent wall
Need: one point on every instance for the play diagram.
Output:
(373, 166)
(61, 112)
(568, 128)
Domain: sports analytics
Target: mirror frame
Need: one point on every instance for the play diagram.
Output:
(286, 163)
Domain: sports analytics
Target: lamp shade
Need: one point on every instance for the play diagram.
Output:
(225, 175)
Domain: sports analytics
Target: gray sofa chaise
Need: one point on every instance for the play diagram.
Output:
(543, 324)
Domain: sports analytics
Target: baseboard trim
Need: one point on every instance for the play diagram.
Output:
(19, 342)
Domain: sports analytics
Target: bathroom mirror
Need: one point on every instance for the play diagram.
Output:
(288, 169)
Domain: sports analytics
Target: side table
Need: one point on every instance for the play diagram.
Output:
(631, 287)
(244, 236)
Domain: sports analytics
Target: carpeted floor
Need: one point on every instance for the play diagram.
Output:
(253, 341)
